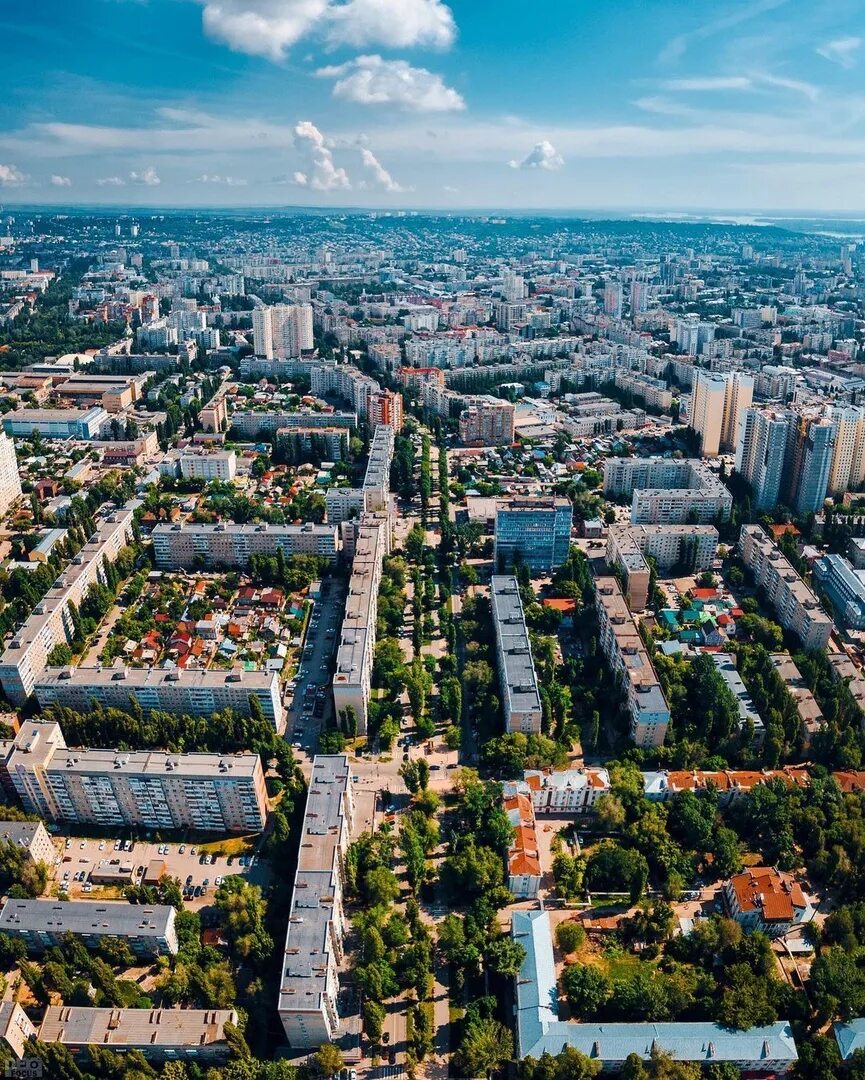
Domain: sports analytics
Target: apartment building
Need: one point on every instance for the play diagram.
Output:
(346, 382)
(376, 481)
(629, 547)
(845, 588)
(810, 716)
(82, 424)
(717, 403)
(255, 424)
(189, 691)
(344, 503)
(160, 1035)
(31, 838)
(151, 789)
(186, 546)
(10, 481)
(487, 421)
(299, 444)
(795, 604)
(354, 658)
(518, 684)
(653, 392)
(51, 622)
(535, 530)
(572, 791)
(208, 465)
(314, 949)
(214, 415)
(41, 924)
(760, 453)
(282, 330)
(385, 407)
(627, 656)
(668, 491)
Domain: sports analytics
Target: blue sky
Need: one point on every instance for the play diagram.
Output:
(656, 104)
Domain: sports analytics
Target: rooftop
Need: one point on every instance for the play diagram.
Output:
(514, 645)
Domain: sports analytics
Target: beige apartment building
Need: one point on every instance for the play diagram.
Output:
(186, 546)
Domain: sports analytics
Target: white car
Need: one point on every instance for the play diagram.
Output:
(217, 881)
(101, 845)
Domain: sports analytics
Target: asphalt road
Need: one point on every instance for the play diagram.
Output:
(322, 637)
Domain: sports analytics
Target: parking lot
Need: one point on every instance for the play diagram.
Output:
(80, 857)
(308, 698)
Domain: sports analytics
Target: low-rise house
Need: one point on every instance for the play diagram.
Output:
(762, 898)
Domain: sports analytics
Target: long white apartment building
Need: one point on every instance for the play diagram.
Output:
(252, 424)
(631, 546)
(518, 682)
(314, 951)
(208, 465)
(10, 481)
(666, 491)
(51, 622)
(147, 789)
(191, 691)
(376, 481)
(185, 546)
(352, 680)
(794, 603)
(717, 403)
(627, 656)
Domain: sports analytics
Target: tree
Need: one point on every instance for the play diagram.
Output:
(328, 1060)
(586, 988)
(505, 956)
(486, 1046)
(374, 1015)
(570, 936)
(381, 886)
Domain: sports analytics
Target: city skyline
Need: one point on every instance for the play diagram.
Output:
(423, 104)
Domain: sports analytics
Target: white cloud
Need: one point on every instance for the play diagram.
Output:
(323, 174)
(61, 181)
(269, 27)
(148, 177)
(679, 45)
(261, 27)
(215, 178)
(111, 181)
(11, 176)
(841, 51)
(371, 80)
(396, 24)
(380, 175)
(733, 82)
(543, 155)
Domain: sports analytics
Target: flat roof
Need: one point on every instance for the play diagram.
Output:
(87, 917)
(520, 678)
(149, 1028)
(316, 883)
(141, 678)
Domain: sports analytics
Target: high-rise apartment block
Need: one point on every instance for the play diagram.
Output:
(613, 299)
(282, 331)
(627, 656)
(256, 424)
(385, 407)
(848, 459)
(760, 454)
(795, 604)
(717, 403)
(10, 481)
(376, 480)
(314, 943)
(145, 789)
(487, 421)
(666, 491)
(521, 702)
(533, 530)
(51, 623)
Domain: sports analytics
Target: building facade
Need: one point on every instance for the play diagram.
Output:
(536, 531)
(518, 684)
(187, 546)
(42, 924)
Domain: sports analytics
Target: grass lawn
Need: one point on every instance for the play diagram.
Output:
(233, 845)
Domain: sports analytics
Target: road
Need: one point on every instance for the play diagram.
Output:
(322, 637)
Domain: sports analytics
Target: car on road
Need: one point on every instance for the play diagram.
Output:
(101, 845)
(181, 849)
